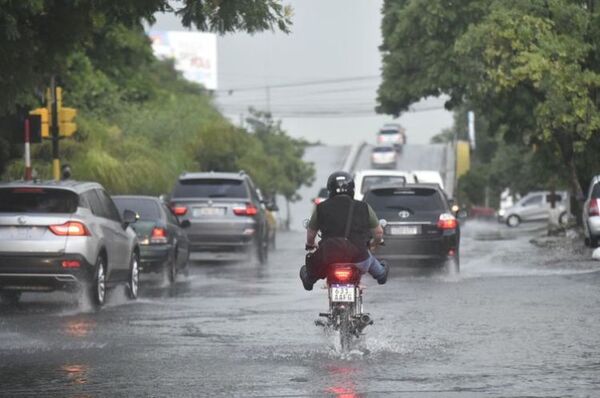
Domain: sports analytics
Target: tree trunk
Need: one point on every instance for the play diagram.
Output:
(567, 152)
(288, 217)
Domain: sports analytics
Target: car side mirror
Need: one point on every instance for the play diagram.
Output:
(129, 217)
(165, 198)
(271, 206)
(185, 224)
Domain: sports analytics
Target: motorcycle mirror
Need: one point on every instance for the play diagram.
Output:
(383, 222)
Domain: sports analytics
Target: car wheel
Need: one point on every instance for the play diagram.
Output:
(262, 250)
(134, 277)
(513, 221)
(98, 287)
(10, 298)
(452, 266)
(593, 241)
(172, 267)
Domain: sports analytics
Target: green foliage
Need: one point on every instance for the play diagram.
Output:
(530, 70)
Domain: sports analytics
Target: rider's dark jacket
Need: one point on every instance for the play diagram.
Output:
(331, 218)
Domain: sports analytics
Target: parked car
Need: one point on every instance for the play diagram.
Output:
(321, 196)
(164, 245)
(384, 156)
(420, 229)
(62, 236)
(591, 213)
(364, 179)
(227, 217)
(428, 177)
(392, 134)
(535, 206)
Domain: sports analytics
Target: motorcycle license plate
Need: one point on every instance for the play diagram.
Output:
(342, 293)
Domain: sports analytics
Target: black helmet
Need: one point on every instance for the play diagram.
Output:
(340, 183)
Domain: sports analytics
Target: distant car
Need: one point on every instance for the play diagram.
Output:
(364, 179)
(420, 230)
(384, 156)
(64, 236)
(227, 218)
(321, 196)
(428, 177)
(535, 206)
(392, 134)
(164, 245)
(591, 213)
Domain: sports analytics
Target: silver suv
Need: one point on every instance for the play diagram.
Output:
(226, 213)
(62, 236)
(591, 213)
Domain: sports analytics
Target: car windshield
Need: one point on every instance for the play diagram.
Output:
(418, 199)
(210, 188)
(147, 209)
(370, 181)
(37, 200)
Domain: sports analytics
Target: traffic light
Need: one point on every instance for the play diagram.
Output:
(66, 125)
(42, 115)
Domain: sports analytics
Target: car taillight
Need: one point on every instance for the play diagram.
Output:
(343, 274)
(447, 221)
(70, 228)
(248, 210)
(380, 138)
(179, 210)
(158, 235)
(71, 264)
(593, 208)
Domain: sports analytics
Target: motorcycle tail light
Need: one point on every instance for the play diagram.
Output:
(179, 210)
(343, 274)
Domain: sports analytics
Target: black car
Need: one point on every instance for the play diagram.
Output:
(164, 245)
(228, 219)
(421, 229)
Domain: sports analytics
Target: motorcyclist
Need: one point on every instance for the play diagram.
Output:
(330, 217)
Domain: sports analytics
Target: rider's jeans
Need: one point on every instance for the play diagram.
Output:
(372, 266)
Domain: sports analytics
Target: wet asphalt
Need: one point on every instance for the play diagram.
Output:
(521, 319)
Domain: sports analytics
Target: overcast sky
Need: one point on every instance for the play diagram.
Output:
(330, 40)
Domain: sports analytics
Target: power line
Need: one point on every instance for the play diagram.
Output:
(301, 84)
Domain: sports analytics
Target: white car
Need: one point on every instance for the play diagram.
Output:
(384, 156)
(428, 177)
(392, 134)
(364, 179)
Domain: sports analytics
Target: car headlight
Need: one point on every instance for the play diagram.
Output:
(501, 212)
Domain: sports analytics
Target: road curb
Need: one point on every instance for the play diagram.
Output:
(353, 155)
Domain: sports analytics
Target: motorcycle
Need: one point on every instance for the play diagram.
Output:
(345, 304)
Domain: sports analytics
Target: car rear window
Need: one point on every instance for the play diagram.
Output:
(210, 188)
(418, 199)
(596, 191)
(370, 181)
(147, 209)
(37, 200)
(388, 132)
(379, 149)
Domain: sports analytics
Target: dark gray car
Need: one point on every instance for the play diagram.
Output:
(62, 235)
(164, 245)
(226, 214)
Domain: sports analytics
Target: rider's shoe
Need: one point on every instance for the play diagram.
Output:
(306, 282)
(383, 279)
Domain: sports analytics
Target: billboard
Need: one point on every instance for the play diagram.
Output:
(195, 54)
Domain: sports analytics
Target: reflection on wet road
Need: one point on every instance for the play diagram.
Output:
(520, 320)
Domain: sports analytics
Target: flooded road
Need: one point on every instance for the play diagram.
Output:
(520, 320)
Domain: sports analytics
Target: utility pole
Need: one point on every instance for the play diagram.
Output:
(54, 129)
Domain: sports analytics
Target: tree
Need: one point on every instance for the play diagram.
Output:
(530, 68)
